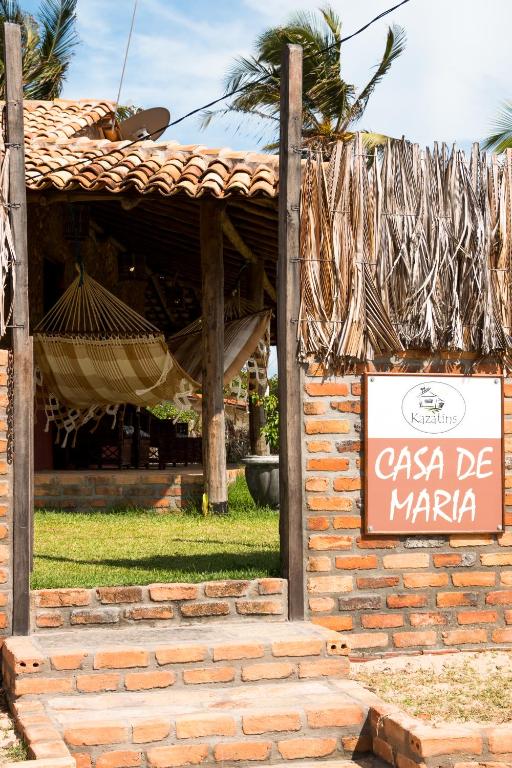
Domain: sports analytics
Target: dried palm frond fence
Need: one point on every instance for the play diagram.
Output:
(405, 249)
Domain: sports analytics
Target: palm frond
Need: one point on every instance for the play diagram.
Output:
(208, 115)
(330, 103)
(501, 138)
(57, 19)
(246, 70)
(47, 45)
(332, 21)
(301, 29)
(395, 45)
(371, 140)
(10, 10)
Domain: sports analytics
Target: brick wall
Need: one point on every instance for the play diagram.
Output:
(5, 509)
(160, 489)
(159, 604)
(393, 592)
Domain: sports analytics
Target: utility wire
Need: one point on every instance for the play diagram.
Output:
(218, 100)
(125, 60)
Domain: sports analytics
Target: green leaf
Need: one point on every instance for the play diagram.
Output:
(501, 138)
(48, 42)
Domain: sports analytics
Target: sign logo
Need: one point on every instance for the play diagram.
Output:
(433, 408)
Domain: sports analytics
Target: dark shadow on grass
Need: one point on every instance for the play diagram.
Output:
(210, 542)
(260, 560)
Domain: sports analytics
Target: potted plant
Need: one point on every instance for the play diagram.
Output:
(262, 472)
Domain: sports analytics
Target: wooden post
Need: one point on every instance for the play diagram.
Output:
(288, 296)
(22, 348)
(257, 419)
(214, 431)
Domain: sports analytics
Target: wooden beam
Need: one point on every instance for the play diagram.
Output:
(214, 430)
(23, 397)
(264, 213)
(261, 201)
(49, 197)
(290, 372)
(253, 225)
(231, 233)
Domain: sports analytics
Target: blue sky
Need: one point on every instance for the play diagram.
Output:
(448, 84)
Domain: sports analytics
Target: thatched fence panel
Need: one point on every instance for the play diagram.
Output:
(405, 249)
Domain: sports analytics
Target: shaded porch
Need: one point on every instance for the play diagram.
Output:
(156, 254)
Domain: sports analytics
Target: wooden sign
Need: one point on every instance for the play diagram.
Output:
(433, 454)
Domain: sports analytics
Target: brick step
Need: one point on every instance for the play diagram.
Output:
(267, 722)
(364, 761)
(160, 657)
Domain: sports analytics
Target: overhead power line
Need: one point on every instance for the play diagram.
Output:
(130, 33)
(225, 96)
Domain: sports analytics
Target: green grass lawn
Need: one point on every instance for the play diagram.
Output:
(90, 549)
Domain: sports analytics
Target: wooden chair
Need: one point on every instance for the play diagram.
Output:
(173, 443)
(110, 447)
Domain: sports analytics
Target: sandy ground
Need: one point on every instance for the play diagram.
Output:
(482, 662)
(460, 687)
(11, 748)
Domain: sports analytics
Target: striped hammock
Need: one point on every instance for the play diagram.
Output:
(7, 256)
(93, 353)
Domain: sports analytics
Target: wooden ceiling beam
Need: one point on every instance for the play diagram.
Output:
(232, 234)
(244, 229)
(257, 211)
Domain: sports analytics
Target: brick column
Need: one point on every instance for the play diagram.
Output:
(393, 592)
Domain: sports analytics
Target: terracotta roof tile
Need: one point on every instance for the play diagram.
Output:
(64, 119)
(69, 133)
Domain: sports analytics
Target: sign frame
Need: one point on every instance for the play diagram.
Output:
(368, 529)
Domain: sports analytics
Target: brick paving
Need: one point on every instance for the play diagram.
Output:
(230, 694)
(160, 657)
(293, 721)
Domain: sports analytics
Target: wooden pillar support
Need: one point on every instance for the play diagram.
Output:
(21, 343)
(243, 249)
(212, 273)
(257, 419)
(288, 297)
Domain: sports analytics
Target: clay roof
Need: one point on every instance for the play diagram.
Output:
(62, 119)
(63, 133)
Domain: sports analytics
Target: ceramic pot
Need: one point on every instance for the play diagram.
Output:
(262, 477)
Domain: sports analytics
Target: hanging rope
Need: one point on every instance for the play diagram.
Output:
(87, 309)
(94, 353)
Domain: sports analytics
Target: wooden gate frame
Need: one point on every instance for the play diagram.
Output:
(288, 302)
(290, 378)
(22, 389)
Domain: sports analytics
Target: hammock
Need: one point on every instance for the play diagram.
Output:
(94, 353)
(241, 337)
(94, 350)
(7, 255)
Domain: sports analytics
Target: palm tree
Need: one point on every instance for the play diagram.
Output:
(47, 45)
(501, 138)
(330, 105)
